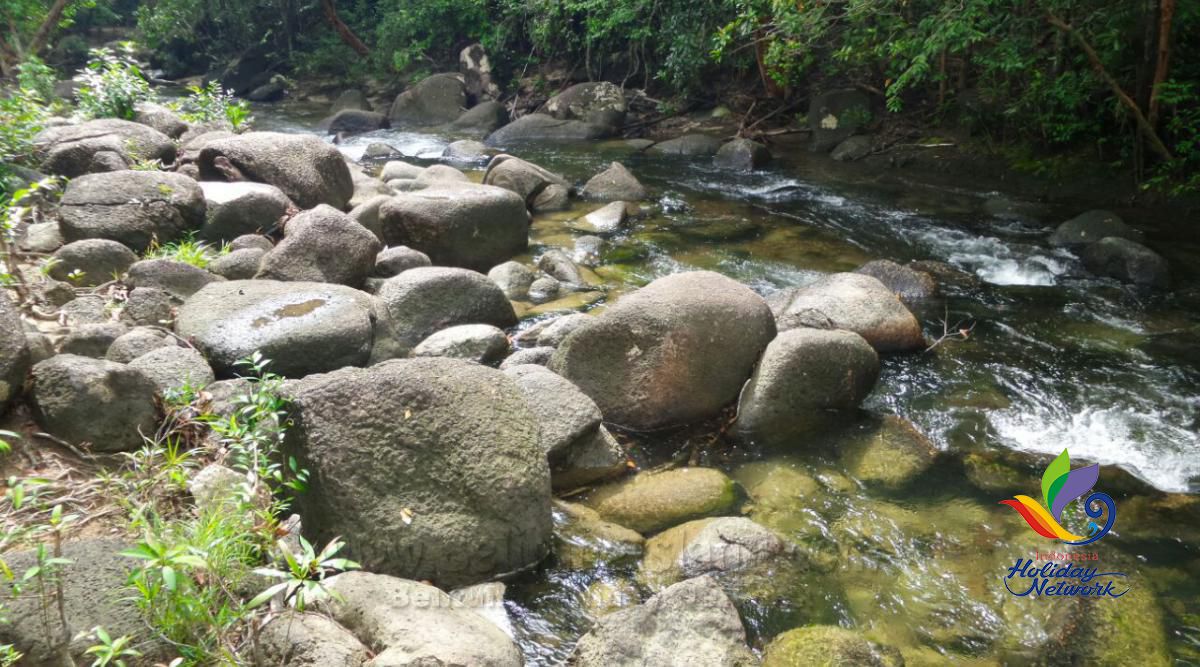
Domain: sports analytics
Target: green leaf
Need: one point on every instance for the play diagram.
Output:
(1055, 472)
(266, 595)
(169, 578)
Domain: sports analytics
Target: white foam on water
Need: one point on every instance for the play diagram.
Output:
(409, 144)
(1152, 443)
(993, 260)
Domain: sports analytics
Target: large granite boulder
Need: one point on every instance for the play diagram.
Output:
(131, 207)
(435, 100)
(835, 115)
(675, 351)
(308, 640)
(1091, 226)
(429, 468)
(237, 209)
(323, 245)
(1127, 261)
(599, 103)
(424, 300)
(91, 261)
(458, 224)
(307, 170)
(301, 327)
(803, 374)
(75, 150)
(616, 183)
(107, 404)
(853, 302)
(540, 189)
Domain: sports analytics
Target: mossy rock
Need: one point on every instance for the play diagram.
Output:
(651, 502)
(717, 546)
(889, 453)
(604, 596)
(583, 540)
(1128, 630)
(828, 646)
(992, 474)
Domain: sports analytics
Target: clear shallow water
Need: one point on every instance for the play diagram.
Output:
(1057, 360)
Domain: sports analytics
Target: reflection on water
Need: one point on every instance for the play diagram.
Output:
(1057, 360)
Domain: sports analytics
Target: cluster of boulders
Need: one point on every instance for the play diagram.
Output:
(1111, 248)
(436, 440)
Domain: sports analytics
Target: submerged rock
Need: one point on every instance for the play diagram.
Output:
(650, 502)
(674, 352)
(853, 302)
(691, 623)
(716, 546)
(911, 285)
(584, 539)
(430, 469)
(889, 453)
(300, 327)
(828, 645)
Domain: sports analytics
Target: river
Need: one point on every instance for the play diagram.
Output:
(1056, 360)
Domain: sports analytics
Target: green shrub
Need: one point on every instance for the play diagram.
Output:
(113, 84)
(22, 114)
(212, 102)
(37, 76)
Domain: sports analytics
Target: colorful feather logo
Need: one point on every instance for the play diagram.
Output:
(1060, 487)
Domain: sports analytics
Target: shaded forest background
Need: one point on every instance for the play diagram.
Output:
(1116, 81)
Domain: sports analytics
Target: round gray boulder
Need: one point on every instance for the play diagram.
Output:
(458, 224)
(673, 352)
(238, 209)
(528, 180)
(802, 374)
(179, 279)
(92, 261)
(911, 285)
(70, 150)
(301, 327)
(80, 399)
(854, 302)
(131, 207)
(424, 300)
(481, 343)
(394, 261)
(742, 155)
(322, 245)
(172, 367)
(1091, 226)
(307, 170)
(1127, 261)
(435, 100)
(599, 103)
(240, 264)
(688, 145)
(613, 184)
(480, 505)
(136, 342)
(542, 127)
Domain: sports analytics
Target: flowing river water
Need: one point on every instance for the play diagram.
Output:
(1057, 359)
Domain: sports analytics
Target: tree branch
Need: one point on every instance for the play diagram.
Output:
(344, 32)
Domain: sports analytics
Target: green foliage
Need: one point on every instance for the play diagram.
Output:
(112, 84)
(110, 651)
(188, 251)
(1182, 174)
(37, 76)
(303, 582)
(22, 114)
(211, 103)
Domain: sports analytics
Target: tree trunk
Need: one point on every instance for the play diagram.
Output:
(1144, 125)
(1166, 12)
(43, 32)
(344, 30)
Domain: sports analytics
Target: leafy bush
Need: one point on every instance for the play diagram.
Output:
(37, 76)
(188, 251)
(22, 115)
(113, 84)
(212, 102)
